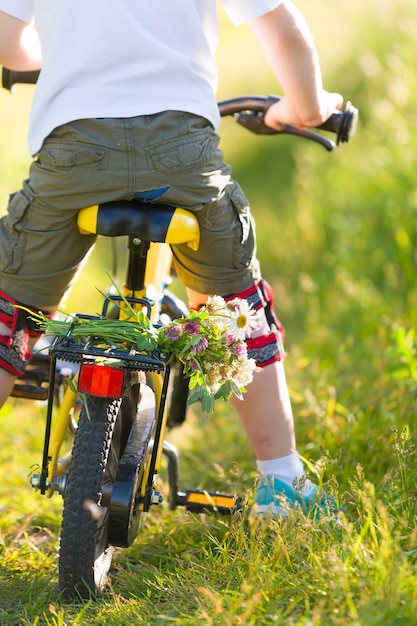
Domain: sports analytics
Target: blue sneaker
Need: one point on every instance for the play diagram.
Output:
(276, 498)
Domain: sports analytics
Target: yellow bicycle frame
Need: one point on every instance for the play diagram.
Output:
(183, 228)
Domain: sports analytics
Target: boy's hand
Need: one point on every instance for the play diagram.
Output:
(285, 112)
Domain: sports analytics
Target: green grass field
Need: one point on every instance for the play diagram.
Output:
(337, 239)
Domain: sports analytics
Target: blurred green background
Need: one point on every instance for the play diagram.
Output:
(336, 231)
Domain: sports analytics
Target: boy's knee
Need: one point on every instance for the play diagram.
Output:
(268, 346)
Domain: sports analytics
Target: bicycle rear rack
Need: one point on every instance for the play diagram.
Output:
(77, 350)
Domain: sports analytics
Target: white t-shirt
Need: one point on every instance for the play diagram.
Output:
(104, 58)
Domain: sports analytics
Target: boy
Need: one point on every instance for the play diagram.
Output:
(125, 107)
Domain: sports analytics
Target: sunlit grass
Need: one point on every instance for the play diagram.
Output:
(204, 570)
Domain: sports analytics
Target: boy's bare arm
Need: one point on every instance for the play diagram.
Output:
(290, 49)
(19, 45)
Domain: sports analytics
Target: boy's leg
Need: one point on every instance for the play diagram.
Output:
(269, 422)
(6, 385)
(265, 412)
(267, 418)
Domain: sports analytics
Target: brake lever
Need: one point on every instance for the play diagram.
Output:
(254, 121)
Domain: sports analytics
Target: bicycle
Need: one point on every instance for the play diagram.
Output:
(108, 478)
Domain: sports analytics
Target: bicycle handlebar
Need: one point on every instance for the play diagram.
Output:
(10, 78)
(249, 112)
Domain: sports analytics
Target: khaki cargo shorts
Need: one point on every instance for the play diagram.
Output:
(169, 157)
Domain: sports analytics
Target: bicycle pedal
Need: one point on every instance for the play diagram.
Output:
(34, 383)
(199, 501)
(29, 392)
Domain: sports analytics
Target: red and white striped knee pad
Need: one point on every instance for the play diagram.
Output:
(267, 348)
(14, 348)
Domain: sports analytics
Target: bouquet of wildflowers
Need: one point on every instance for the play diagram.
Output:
(209, 343)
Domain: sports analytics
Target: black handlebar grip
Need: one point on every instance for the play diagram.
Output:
(10, 78)
(343, 123)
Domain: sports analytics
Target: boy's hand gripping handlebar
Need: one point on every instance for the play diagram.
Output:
(249, 111)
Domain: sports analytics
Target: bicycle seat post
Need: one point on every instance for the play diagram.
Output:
(136, 265)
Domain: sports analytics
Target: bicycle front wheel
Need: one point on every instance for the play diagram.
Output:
(85, 553)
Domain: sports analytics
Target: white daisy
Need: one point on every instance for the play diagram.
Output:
(243, 320)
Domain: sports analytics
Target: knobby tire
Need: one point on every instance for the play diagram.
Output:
(85, 554)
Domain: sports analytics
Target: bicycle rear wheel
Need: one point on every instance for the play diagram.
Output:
(85, 553)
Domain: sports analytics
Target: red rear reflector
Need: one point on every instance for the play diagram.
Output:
(101, 380)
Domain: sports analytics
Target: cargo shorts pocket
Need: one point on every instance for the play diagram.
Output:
(183, 153)
(12, 233)
(244, 244)
(56, 157)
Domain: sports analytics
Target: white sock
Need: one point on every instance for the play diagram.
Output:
(286, 468)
